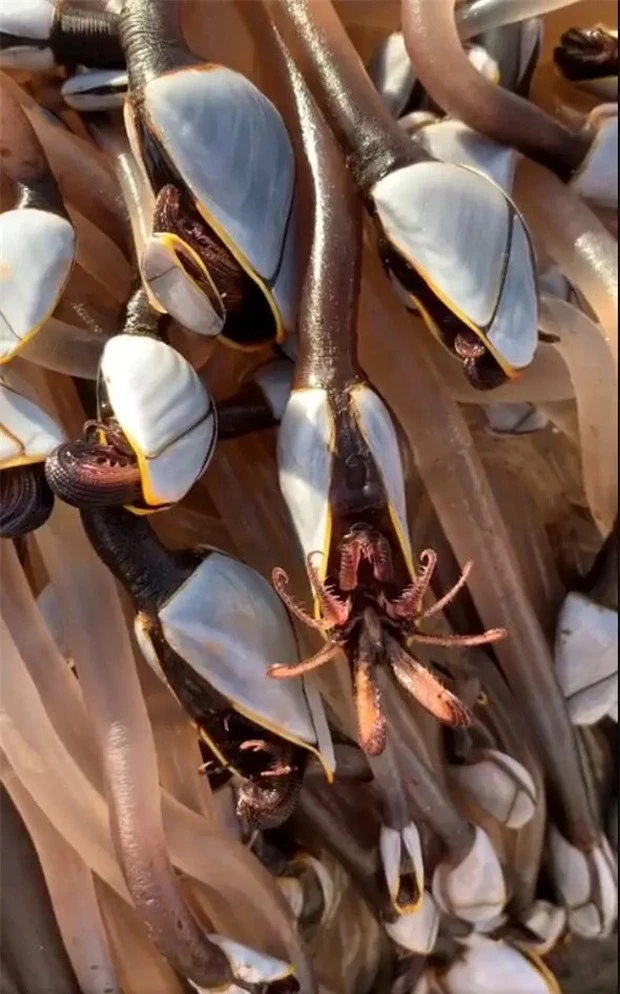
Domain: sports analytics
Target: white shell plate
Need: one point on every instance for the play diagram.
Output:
(391, 72)
(474, 890)
(250, 966)
(588, 884)
(586, 658)
(231, 147)
(488, 967)
(377, 428)
(306, 441)
(531, 34)
(513, 50)
(597, 178)
(418, 930)
(275, 379)
(507, 418)
(453, 224)
(79, 92)
(484, 63)
(37, 250)
(229, 624)
(547, 921)
(514, 330)
(165, 411)
(453, 141)
(175, 291)
(500, 785)
(27, 20)
(27, 433)
(396, 846)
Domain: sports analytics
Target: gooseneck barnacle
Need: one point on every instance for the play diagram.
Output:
(260, 742)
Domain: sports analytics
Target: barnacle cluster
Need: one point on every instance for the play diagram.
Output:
(308, 494)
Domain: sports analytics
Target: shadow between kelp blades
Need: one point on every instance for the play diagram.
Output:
(224, 209)
(452, 242)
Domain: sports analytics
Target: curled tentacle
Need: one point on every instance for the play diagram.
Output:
(448, 641)
(478, 365)
(450, 595)
(409, 603)
(334, 611)
(425, 688)
(26, 501)
(350, 557)
(280, 582)
(87, 475)
(279, 768)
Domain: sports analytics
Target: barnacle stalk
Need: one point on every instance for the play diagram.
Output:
(433, 43)
(130, 771)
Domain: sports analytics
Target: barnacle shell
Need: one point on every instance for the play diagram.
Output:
(474, 890)
(587, 882)
(417, 930)
(500, 785)
(586, 658)
(487, 966)
(547, 921)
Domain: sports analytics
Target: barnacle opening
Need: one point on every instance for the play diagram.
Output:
(480, 366)
(250, 316)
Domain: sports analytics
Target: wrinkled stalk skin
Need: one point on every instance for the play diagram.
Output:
(87, 38)
(372, 141)
(327, 353)
(152, 41)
